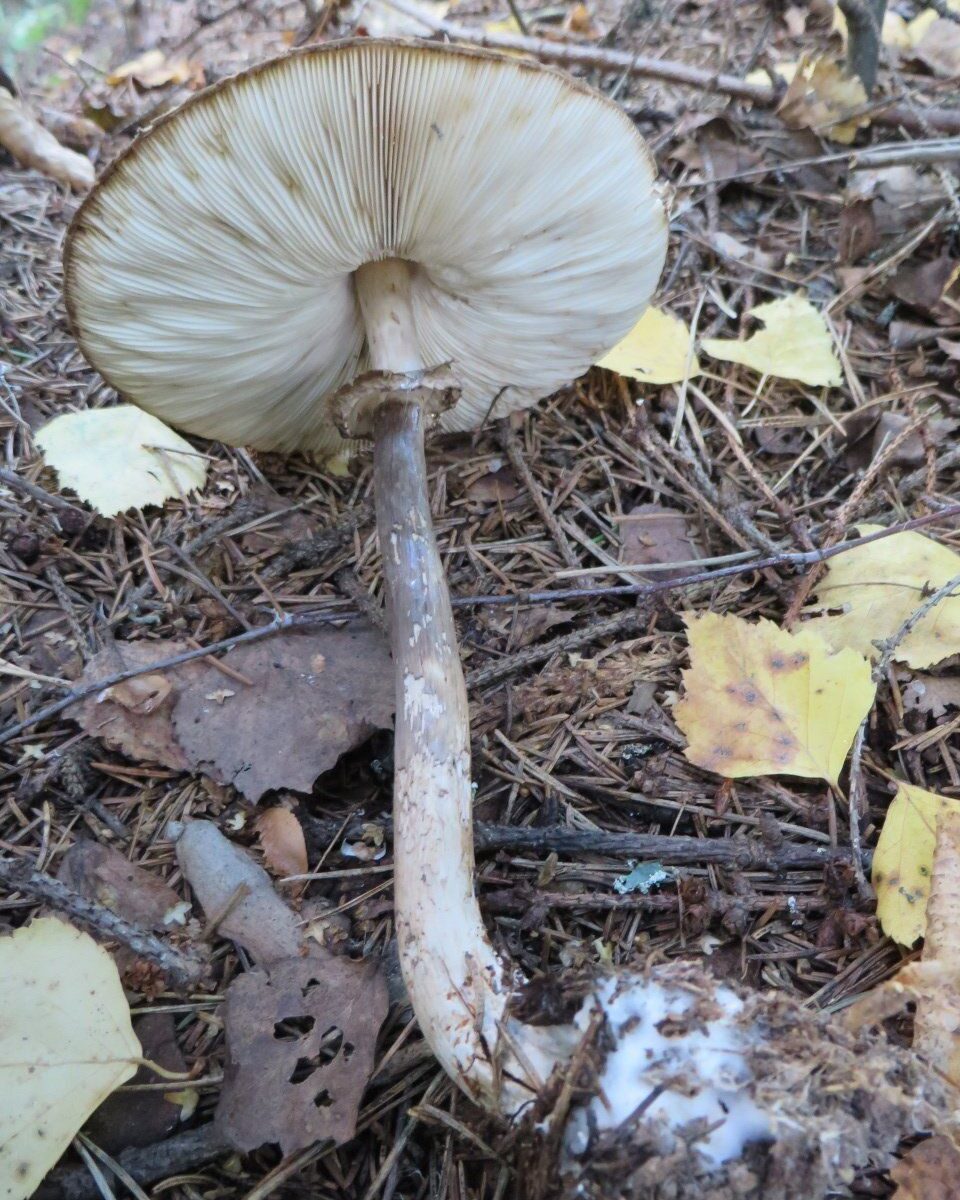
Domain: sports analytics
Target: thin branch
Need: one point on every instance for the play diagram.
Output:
(20, 876)
(674, 850)
(495, 671)
(943, 120)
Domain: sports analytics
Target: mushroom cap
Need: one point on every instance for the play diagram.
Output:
(208, 276)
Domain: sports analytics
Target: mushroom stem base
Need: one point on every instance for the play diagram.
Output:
(458, 985)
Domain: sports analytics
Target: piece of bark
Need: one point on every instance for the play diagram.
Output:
(237, 894)
(33, 146)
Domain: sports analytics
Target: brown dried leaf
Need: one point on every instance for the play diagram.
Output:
(909, 453)
(929, 287)
(714, 150)
(141, 695)
(932, 694)
(657, 534)
(144, 737)
(282, 841)
(496, 485)
(103, 874)
(900, 197)
(930, 1171)
(939, 49)
(141, 1118)
(314, 696)
(237, 893)
(290, 725)
(857, 231)
(300, 1049)
(532, 623)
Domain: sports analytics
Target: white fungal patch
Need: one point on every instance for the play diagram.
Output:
(419, 699)
(703, 1069)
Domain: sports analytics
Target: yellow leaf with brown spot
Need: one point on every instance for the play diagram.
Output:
(761, 701)
(871, 590)
(794, 343)
(657, 349)
(903, 861)
(66, 1043)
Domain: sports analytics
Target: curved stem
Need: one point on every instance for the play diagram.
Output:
(458, 985)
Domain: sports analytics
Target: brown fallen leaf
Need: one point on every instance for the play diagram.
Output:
(296, 720)
(301, 1042)
(141, 1118)
(856, 231)
(141, 695)
(900, 197)
(236, 893)
(932, 288)
(496, 485)
(932, 694)
(144, 737)
(282, 841)
(715, 150)
(100, 873)
(656, 534)
(929, 1171)
(33, 146)
(910, 453)
(292, 723)
(939, 49)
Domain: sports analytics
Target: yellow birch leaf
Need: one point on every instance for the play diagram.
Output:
(66, 1043)
(903, 861)
(761, 701)
(786, 71)
(894, 32)
(656, 350)
(152, 70)
(795, 343)
(120, 458)
(876, 587)
(822, 97)
(917, 28)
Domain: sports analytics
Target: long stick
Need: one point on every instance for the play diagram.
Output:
(922, 120)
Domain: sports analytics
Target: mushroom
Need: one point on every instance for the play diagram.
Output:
(369, 239)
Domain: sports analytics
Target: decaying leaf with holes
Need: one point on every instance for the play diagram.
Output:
(794, 343)
(121, 458)
(294, 704)
(903, 861)
(65, 1043)
(822, 97)
(658, 349)
(300, 1048)
(761, 701)
(870, 591)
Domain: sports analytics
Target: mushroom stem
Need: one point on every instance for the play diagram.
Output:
(384, 290)
(458, 985)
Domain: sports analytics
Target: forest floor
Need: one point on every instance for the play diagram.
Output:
(571, 702)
